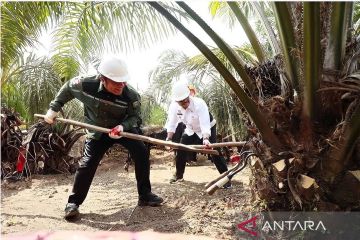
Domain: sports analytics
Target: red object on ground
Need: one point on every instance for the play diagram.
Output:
(235, 158)
(20, 164)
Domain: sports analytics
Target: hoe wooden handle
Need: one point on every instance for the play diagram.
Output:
(155, 141)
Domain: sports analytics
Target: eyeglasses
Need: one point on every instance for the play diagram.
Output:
(183, 102)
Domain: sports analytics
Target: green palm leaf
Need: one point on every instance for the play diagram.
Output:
(21, 25)
(229, 52)
(335, 50)
(287, 37)
(312, 57)
(248, 30)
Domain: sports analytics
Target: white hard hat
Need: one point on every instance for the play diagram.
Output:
(180, 91)
(114, 68)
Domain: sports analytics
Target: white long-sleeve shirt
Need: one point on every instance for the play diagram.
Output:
(195, 117)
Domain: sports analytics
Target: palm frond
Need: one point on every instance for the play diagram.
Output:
(267, 24)
(21, 25)
(91, 28)
(248, 30)
(221, 9)
(312, 57)
(287, 37)
(335, 50)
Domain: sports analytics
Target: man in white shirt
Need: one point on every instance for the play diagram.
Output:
(194, 113)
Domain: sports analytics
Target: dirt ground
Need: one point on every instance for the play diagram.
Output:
(38, 204)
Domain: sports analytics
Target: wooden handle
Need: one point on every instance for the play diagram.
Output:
(221, 182)
(223, 175)
(178, 146)
(217, 179)
(222, 144)
(212, 189)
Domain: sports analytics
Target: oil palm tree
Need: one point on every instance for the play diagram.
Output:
(173, 64)
(81, 33)
(314, 122)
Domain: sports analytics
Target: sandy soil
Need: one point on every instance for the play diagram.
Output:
(38, 204)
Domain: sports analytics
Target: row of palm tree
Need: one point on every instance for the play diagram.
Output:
(81, 33)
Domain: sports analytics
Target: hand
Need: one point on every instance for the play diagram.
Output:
(167, 148)
(206, 142)
(50, 115)
(115, 133)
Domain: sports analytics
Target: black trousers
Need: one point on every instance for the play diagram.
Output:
(94, 150)
(183, 156)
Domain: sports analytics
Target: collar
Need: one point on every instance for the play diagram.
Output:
(191, 106)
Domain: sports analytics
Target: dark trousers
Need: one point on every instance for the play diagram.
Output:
(94, 150)
(183, 156)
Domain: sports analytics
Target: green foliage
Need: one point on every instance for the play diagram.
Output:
(151, 111)
(32, 86)
(11, 96)
(224, 108)
(171, 65)
(157, 116)
(21, 25)
(81, 32)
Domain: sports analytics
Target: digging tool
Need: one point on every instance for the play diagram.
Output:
(222, 144)
(227, 176)
(173, 145)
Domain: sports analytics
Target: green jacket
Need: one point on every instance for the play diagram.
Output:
(101, 108)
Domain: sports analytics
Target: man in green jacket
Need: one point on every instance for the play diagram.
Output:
(108, 102)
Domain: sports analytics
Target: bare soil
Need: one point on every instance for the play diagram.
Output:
(37, 205)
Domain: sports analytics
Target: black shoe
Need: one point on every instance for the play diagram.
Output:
(227, 185)
(71, 211)
(175, 179)
(150, 200)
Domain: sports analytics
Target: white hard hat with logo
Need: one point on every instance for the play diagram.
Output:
(114, 68)
(180, 91)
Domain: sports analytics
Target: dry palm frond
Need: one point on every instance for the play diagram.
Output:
(45, 148)
(11, 138)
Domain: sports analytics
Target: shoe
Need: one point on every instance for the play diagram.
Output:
(227, 185)
(150, 200)
(175, 179)
(71, 211)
